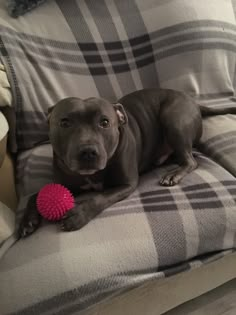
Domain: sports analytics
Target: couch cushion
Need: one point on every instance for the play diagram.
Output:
(156, 232)
(108, 49)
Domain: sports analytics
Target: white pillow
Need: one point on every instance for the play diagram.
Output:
(7, 216)
(3, 126)
(7, 222)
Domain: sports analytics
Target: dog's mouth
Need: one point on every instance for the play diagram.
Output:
(85, 172)
(90, 168)
(84, 169)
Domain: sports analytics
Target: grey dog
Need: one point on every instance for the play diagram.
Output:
(100, 148)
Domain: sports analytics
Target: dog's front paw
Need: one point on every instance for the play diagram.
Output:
(74, 219)
(29, 224)
(169, 180)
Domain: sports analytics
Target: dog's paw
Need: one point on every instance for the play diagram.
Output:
(171, 179)
(73, 220)
(29, 224)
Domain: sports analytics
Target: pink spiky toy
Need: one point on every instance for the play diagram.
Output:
(53, 201)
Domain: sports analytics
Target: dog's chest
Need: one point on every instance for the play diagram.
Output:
(85, 183)
(77, 183)
(90, 183)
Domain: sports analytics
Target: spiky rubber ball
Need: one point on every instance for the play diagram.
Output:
(53, 201)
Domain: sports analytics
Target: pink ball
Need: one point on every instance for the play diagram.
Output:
(53, 201)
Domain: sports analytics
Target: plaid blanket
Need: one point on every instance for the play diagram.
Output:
(156, 232)
(109, 48)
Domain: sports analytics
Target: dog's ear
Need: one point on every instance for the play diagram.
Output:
(50, 109)
(121, 114)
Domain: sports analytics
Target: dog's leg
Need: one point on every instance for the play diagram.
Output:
(31, 219)
(174, 177)
(90, 205)
(181, 142)
(182, 127)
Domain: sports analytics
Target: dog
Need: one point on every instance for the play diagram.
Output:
(100, 149)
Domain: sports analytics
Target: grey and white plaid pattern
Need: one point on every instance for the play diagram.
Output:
(156, 232)
(219, 135)
(109, 48)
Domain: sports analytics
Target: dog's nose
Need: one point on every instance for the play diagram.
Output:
(88, 154)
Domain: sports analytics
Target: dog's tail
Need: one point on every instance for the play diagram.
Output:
(210, 111)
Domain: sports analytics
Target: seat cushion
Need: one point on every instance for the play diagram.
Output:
(156, 232)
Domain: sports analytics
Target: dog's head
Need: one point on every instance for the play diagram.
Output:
(85, 133)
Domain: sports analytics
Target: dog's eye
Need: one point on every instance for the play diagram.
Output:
(65, 123)
(104, 123)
